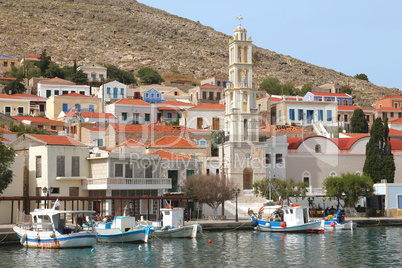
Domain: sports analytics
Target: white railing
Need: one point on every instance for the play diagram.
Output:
(127, 183)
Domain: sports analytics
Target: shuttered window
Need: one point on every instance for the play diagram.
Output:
(75, 166)
(60, 166)
(39, 166)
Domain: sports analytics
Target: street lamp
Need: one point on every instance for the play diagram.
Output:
(323, 204)
(47, 192)
(236, 192)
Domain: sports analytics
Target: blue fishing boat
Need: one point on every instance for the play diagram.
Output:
(338, 222)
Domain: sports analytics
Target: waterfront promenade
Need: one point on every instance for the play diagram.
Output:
(7, 235)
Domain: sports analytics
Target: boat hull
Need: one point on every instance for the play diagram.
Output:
(43, 239)
(117, 236)
(340, 226)
(312, 227)
(181, 232)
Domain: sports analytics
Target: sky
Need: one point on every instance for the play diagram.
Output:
(348, 36)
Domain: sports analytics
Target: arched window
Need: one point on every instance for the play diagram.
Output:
(358, 172)
(306, 177)
(247, 179)
(333, 174)
(318, 148)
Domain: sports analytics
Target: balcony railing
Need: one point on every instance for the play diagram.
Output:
(127, 183)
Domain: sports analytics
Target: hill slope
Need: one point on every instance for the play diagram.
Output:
(130, 35)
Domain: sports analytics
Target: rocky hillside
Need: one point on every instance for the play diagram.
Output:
(131, 35)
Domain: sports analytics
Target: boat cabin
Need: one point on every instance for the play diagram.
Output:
(295, 214)
(173, 217)
(123, 223)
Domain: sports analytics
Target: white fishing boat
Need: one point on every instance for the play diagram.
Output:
(291, 219)
(51, 228)
(173, 225)
(123, 229)
(338, 222)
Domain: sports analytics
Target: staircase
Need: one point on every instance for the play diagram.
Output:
(321, 130)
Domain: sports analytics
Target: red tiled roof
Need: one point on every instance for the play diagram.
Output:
(171, 156)
(169, 108)
(4, 130)
(4, 140)
(209, 107)
(396, 121)
(91, 115)
(283, 128)
(132, 102)
(56, 140)
(274, 99)
(174, 103)
(8, 78)
(396, 144)
(37, 119)
(25, 96)
(331, 94)
(388, 109)
(74, 95)
(148, 128)
(209, 85)
(349, 108)
(260, 98)
(357, 135)
(341, 143)
(57, 81)
(394, 132)
(132, 143)
(5, 96)
(392, 97)
(173, 141)
(33, 57)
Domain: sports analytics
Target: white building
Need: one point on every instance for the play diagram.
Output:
(204, 116)
(57, 86)
(94, 72)
(112, 91)
(132, 111)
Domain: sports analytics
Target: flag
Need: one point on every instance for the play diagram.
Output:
(56, 204)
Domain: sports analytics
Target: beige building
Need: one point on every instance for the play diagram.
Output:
(206, 94)
(94, 72)
(6, 63)
(176, 94)
(73, 101)
(13, 106)
(179, 145)
(219, 80)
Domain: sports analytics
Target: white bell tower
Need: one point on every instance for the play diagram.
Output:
(241, 117)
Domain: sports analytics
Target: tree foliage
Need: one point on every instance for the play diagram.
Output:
(21, 129)
(44, 61)
(280, 189)
(349, 187)
(120, 75)
(361, 77)
(346, 89)
(274, 87)
(6, 159)
(207, 189)
(15, 87)
(358, 122)
(379, 163)
(149, 76)
(54, 70)
(29, 68)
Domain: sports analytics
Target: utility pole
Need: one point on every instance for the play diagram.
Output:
(223, 166)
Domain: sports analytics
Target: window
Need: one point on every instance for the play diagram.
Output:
(329, 115)
(278, 159)
(108, 90)
(218, 95)
(211, 95)
(320, 115)
(91, 108)
(306, 177)
(39, 166)
(100, 142)
(318, 148)
(152, 95)
(319, 99)
(56, 190)
(215, 123)
(48, 93)
(392, 114)
(65, 107)
(300, 114)
(101, 77)
(396, 105)
(292, 114)
(345, 102)
(368, 117)
(124, 116)
(399, 201)
(77, 107)
(129, 171)
(146, 95)
(118, 170)
(200, 122)
(190, 173)
(176, 93)
(64, 92)
(5, 63)
(224, 84)
(56, 92)
(82, 92)
(345, 117)
(147, 117)
(7, 110)
(136, 118)
(73, 191)
(207, 171)
(75, 166)
(332, 174)
(204, 95)
(60, 169)
(20, 110)
(329, 99)
(122, 91)
(115, 91)
(203, 143)
(219, 83)
(268, 159)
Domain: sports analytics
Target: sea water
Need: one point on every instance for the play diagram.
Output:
(363, 247)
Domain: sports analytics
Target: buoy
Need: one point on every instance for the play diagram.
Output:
(37, 238)
(52, 235)
(210, 241)
(93, 249)
(283, 224)
(332, 224)
(295, 205)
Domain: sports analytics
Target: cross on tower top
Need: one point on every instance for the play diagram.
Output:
(239, 18)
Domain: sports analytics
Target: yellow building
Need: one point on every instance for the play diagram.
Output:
(12, 106)
(73, 101)
(6, 63)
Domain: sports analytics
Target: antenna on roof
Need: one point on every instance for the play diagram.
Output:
(95, 150)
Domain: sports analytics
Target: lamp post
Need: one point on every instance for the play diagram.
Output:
(323, 204)
(47, 192)
(236, 192)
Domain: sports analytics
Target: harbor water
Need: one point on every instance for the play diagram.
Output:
(362, 247)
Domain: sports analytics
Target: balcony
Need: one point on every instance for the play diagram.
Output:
(127, 184)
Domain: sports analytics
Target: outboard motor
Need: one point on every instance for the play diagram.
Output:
(254, 223)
